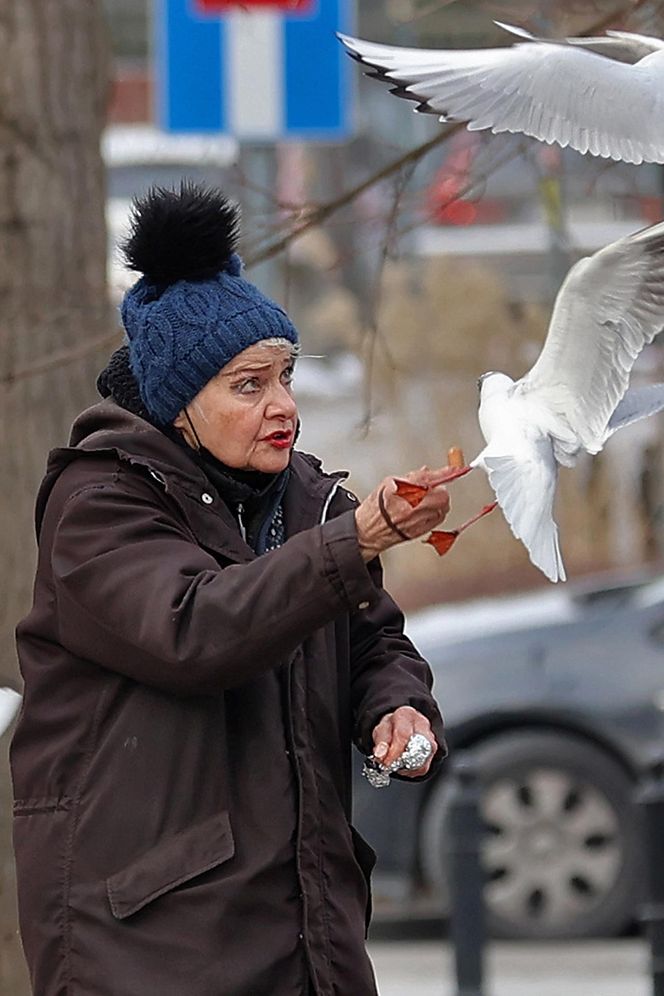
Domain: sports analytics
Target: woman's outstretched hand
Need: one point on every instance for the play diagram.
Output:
(384, 519)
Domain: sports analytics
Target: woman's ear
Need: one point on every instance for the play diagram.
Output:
(182, 423)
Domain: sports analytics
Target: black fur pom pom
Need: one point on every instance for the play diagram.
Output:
(185, 234)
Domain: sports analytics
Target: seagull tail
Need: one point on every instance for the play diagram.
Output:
(525, 494)
(545, 553)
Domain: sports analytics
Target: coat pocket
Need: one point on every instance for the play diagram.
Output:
(45, 804)
(169, 863)
(366, 859)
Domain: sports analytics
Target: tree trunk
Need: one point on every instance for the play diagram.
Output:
(54, 306)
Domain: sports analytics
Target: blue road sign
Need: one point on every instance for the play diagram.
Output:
(255, 73)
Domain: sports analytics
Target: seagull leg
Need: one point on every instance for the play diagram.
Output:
(456, 467)
(442, 540)
(414, 493)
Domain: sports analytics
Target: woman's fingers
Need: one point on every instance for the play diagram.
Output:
(423, 726)
(385, 518)
(382, 738)
(392, 734)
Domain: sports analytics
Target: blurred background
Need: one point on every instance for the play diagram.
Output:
(412, 257)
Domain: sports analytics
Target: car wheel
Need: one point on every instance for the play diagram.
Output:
(562, 848)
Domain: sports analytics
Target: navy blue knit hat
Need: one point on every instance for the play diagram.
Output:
(191, 312)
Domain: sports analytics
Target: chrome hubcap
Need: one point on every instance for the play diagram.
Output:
(552, 849)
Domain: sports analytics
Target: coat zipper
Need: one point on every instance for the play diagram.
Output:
(323, 518)
(240, 511)
(328, 501)
(290, 740)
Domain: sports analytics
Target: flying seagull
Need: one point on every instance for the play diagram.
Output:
(603, 96)
(575, 396)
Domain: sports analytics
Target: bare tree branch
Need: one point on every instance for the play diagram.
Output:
(433, 7)
(617, 15)
(310, 216)
(320, 214)
(61, 358)
(373, 332)
(325, 211)
(474, 184)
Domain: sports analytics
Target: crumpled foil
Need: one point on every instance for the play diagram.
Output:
(415, 755)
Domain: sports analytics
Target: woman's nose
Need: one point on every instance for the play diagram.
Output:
(282, 403)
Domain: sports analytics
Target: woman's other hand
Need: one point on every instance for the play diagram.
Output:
(398, 521)
(392, 734)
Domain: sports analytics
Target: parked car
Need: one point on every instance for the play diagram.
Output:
(560, 698)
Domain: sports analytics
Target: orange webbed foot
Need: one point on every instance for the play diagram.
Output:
(442, 540)
(413, 493)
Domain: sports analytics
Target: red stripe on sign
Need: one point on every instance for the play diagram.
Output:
(225, 6)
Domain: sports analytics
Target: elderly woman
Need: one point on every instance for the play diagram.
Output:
(209, 635)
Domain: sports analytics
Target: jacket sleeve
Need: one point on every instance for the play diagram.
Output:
(136, 593)
(387, 671)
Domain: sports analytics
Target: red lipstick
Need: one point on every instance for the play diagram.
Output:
(281, 439)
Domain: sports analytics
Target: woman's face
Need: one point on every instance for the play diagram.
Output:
(246, 416)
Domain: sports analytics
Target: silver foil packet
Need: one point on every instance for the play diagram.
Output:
(415, 755)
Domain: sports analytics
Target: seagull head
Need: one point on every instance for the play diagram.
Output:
(493, 382)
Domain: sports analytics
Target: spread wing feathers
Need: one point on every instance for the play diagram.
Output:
(525, 490)
(623, 46)
(638, 403)
(609, 307)
(552, 92)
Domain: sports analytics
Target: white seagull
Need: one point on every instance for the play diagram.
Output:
(603, 96)
(575, 396)
(9, 704)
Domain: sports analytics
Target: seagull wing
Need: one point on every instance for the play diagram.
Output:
(638, 403)
(552, 92)
(610, 305)
(525, 487)
(623, 46)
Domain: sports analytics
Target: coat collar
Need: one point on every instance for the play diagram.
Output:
(108, 429)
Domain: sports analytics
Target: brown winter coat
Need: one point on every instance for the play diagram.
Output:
(182, 761)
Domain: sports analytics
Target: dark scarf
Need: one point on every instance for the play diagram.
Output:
(254, 496)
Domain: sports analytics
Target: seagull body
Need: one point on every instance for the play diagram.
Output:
(603, 96)
(576, 395)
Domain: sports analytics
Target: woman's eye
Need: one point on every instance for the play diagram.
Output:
(248, 386)
(287, 375)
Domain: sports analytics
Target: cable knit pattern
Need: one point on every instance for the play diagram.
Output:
(181, 335)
